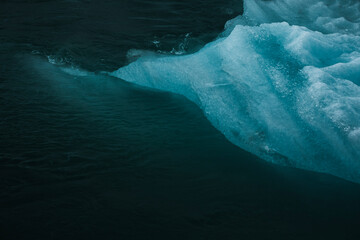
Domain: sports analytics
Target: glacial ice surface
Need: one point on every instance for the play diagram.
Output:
(282, 82)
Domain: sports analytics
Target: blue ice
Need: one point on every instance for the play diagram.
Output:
(282, 82)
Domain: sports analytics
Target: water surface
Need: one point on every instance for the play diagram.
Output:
(87, 156)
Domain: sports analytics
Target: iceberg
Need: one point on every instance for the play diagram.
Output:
(282, 81)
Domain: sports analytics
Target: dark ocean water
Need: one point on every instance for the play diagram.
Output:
(93, 157)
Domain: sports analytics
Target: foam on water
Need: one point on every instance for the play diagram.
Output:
(282, 82)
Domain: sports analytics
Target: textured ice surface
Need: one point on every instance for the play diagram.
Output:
(282, 83)
(327, 16)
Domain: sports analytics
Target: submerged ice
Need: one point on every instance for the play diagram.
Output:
(282, 82)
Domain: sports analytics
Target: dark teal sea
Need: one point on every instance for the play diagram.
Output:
(93, 157)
